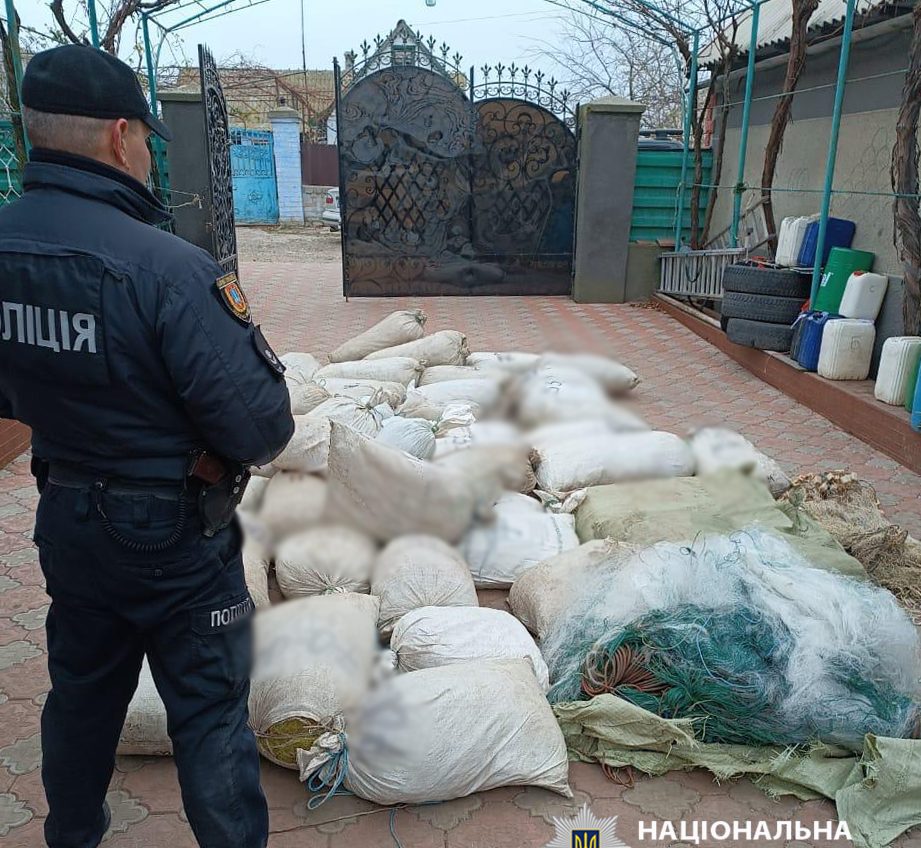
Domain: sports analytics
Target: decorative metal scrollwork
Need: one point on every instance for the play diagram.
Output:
(524, 84)
(217, 136)
(442, 192)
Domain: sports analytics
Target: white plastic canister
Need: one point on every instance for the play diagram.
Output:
(863, 295)
(897, 364)
(847, 348)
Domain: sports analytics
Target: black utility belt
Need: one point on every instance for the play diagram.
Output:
(214, 484)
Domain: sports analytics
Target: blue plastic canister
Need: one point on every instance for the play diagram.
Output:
(840, 233)
(810, 342)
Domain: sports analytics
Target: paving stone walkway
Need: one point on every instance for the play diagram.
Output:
(686, 383)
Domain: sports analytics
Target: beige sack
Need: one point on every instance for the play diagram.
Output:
(308, 449)
(329, 558)
(389, 392)
(252, 497)
(444, 373)
(363, 416)
(257, 557)
(144, 732)
(293, 502)
(397, 328)
(718, 449)
(434, 636)
(305, 365)
(498, 466)
(542, 594)
(388, 493)
(614, 378)
(306, 396)
(447, 732)
(509, 362)
(419, 571)
(447, 347)
(397, 369)
(314, 660)
(484, 394)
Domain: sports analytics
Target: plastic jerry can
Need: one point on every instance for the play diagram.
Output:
(838, 233)
(912, 385)
(916, 407)
(898, 364)
(810, 342)
(788, 252)
(842, 262)
(863, 295)
(847, 348)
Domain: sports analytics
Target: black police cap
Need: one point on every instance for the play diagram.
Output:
(76, 79)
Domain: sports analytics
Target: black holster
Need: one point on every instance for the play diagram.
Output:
(219, 495)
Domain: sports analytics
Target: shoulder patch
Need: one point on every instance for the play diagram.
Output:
(266, 352)
(232, 297)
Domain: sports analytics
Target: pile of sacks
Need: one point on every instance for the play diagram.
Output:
(418, 473)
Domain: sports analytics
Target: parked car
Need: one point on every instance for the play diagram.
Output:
(331, 211)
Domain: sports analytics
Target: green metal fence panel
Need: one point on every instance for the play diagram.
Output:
(10, 170)
(655, 193)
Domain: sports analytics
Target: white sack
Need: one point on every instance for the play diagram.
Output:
(400, 369)
(388, 493)
(329, 558)
(306, 396)
(549, 435)
(447, 347)
(444, 733)
(257, 557)
(519, 537)
(484, 394)
(308, 449)
(556, 394)
(509, 362)
(144, 732)
(419, 571)
(480, 434)
(313, 664)
(614, 378)
(493, 466)
(444, 373)
(417, 405)
(293, 502)
(619, 458)
(305, 365)
(252, 497)
(544, 593)
(365, 417)
(397, 328)
(389, 392)
(417, 436)
(434, 636)
(717, 449)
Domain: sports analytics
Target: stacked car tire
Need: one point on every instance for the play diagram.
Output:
(760, 305)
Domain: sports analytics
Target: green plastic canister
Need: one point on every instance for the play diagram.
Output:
(911, 388)
(842, 262)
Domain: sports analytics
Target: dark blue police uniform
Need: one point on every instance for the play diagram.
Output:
(127, 349)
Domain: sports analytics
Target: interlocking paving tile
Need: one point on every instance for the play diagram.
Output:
(13, 813)
(33, 619)
(126, 811)
(22, 756)
(16, 653)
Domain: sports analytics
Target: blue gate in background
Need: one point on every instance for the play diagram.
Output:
(252, 162)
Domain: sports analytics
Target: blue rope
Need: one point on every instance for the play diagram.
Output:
(393, 828)
(330, 776)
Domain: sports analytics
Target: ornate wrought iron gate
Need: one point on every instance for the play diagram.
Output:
(217, 135)
(449, 186)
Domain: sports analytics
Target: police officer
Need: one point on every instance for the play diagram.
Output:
(134, 359)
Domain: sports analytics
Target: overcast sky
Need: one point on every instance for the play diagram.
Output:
(484, 31)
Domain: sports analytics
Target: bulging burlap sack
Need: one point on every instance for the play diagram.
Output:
(389, 392)
(314, 660)
(293, 502)
(328, 558)
(447, 347)
(363, 416)
(614, 378)
(308, 449)
(388, 493)
(419, 571)
(304, 365)
(397, 328)
(398, 369)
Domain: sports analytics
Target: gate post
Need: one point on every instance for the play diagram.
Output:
(286, 138)
(608, 133)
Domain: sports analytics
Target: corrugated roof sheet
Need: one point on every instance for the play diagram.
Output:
(776, 23)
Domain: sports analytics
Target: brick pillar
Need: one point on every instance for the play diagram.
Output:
(286, 133)
(607, 170)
